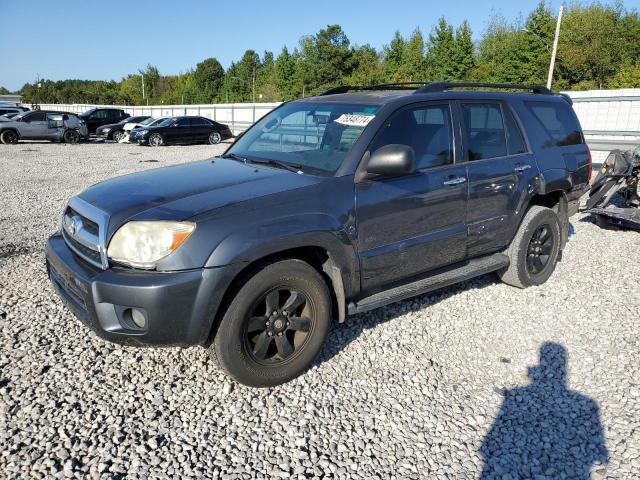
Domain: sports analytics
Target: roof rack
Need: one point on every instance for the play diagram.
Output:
(434, 87)
(381, 86)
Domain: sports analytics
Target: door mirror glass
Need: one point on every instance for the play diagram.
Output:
(392, 160)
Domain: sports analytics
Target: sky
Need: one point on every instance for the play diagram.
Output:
(107, 40)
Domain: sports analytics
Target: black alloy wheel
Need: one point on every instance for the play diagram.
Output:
(540, 249)
(278, 326)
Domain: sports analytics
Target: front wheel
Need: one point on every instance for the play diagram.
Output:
(9, 137)
(215, 138)
(275, 326)
(533, 253)
(156, 140)
(118, 135)
(71, 136)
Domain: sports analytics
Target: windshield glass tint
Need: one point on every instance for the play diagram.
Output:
(149, 121)
(317, 136)
(164, 122)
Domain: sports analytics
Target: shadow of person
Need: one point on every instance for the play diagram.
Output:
(545, 430)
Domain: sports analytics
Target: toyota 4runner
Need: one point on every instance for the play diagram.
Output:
(328, 206)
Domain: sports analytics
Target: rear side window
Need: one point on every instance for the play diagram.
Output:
(485, 132)
(515, 140)
(558, 122)
(200, 121)
(183, 122)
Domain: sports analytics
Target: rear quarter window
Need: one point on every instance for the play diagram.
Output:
(558, 122)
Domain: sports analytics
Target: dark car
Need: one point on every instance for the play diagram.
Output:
(115, 131)
(182, 130)
(328, 206)
(97, 117)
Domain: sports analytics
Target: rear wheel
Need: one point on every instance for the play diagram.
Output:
(215, 138)
(71, 136)
(275, 325)
(118, 135)
(9, 137)
(156, 140)
(533, 253)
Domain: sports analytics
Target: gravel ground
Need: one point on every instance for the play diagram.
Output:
(435, 387)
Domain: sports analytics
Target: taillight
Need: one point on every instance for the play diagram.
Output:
(589, 166)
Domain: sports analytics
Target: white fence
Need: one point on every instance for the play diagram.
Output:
(610, 118)
(239, 116)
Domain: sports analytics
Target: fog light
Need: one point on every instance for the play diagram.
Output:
(138, 318)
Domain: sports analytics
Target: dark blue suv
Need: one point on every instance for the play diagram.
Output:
(328, 206)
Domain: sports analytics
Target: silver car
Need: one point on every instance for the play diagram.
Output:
(43, 125)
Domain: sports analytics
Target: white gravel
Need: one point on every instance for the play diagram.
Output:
(415, 390)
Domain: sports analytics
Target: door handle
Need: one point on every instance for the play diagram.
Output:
(522, 168)
(455, 181)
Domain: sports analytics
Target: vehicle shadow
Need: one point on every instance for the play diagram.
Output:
(341, 335)
(545, 430)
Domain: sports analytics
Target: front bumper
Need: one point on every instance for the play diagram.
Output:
(179, 307)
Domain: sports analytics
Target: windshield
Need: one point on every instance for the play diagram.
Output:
(314, 136)
(163, 122)
(148, 121)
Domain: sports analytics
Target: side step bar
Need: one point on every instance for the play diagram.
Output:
(469, 269)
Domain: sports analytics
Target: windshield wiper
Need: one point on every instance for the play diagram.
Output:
(292, 167)
(233, 156)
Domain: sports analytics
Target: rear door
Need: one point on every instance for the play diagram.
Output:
(55, 125)
(201, 128)
(414, 223)
(501, 172)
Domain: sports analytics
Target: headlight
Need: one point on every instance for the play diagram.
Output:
(106, 130)
(142, 243)
(143, 132)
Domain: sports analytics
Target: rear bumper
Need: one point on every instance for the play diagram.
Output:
(573, 198)
(179, 307)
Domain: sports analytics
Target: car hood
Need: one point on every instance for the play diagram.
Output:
(183, 191)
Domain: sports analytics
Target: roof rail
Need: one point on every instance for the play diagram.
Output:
(381, 86)
(434, 87)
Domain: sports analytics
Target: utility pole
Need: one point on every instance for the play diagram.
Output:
(555, 47)
(142, 76)
(254, 84)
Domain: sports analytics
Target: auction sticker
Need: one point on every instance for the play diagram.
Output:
(355, 120)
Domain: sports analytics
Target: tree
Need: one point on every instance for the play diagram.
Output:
(325, 59)
(208, 78)
(412, 66)
(440, 52)
(4, 91)
(151, 79)
(367, 66)
(392, 58)
(463, 54)
(285, 76)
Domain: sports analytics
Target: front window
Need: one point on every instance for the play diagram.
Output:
(315, 137)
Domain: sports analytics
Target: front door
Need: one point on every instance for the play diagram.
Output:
(414, 223)
(501, 173)
(34, 126)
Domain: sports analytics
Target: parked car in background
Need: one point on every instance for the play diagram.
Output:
(129, 126)
(12, 109)
(97, 117)
(115, 131)
(43, 125)
(182, 130)
(10, 115)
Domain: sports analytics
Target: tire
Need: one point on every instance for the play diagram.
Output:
(156, 140)
(533, 253)
(9, 137)
(71, 136)
(215, 138)
(117, 136)
(246, 327)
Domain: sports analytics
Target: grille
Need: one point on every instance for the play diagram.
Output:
(83, 229)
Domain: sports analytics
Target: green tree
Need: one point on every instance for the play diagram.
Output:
(440, 52)
(463, 54)
(4, 91)
(392, 57)
(208, 78)
(367, 66)
(286, 75)
(412, 66)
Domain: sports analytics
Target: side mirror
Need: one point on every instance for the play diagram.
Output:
(392, 160)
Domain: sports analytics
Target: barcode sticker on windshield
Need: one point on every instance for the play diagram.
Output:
(354, 119)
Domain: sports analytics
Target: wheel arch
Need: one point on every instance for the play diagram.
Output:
(316, 256)
(13, 129)
(557, 201)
